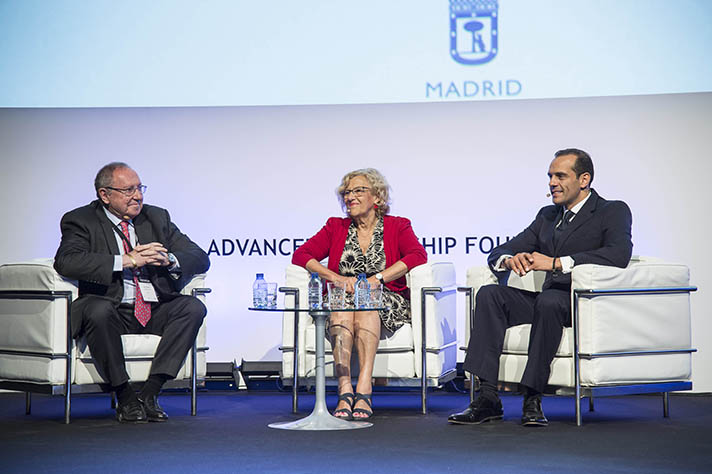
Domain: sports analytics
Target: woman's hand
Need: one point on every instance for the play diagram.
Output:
(348, 282)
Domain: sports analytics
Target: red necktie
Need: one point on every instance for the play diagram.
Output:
(142, 310)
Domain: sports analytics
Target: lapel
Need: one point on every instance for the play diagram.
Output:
(583, 216)
(548, 232)
(144, 229)
(145, 235)
(108, 229)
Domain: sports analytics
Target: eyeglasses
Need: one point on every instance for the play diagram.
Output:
(129, 191)
(357, 192)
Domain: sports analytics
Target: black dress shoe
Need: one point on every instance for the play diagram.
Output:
(131, 412)
(532, 414)
(154, 412)
(480, 411)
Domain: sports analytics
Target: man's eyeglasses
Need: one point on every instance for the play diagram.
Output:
(129, 191)
(357, 192)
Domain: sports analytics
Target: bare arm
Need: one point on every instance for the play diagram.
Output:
(313, 265)
(391, 273)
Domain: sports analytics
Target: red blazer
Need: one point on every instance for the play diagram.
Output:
(399, 243)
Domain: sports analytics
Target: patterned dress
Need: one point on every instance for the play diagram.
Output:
(353, 261)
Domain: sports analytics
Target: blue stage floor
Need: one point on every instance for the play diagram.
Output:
(230, 434)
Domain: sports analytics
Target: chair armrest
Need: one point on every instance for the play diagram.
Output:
(440, 308)
(618, 322)
(34, 308)
(439, 274)
(295, 277)
(196, 287)
(35, 275)
(478, 276)
(640, 273)
(197, 282)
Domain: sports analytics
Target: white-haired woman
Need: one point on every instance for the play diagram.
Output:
(383, 247)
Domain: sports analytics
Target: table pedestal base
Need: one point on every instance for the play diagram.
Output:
(320, 418)
(320, 422)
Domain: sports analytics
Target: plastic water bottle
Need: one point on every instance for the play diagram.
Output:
(361, 292)
(314, 291)
(259, 292)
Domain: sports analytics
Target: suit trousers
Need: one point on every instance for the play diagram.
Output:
(500, 307)
(177, 322)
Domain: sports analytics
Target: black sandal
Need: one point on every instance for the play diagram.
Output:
(345, 413)
(368, 413)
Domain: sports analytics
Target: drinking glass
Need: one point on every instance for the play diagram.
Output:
(375, 295)
(337, 294)
(271, 295)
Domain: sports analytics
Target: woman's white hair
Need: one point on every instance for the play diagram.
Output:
(379, 188)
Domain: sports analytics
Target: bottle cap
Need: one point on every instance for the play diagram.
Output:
(260, 275)
(362, 275)
(314, 274)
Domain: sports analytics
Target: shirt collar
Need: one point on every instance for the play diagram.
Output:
(578, 206)
(114, 219)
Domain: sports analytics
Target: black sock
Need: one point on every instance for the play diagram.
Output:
(153, 385)
(530, 392)
(124, 393)
(488, 390)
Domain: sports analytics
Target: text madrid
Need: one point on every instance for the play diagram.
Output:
(439, 90)
(285, 247)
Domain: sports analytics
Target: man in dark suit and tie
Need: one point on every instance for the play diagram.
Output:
(129, 259)
(581, 227)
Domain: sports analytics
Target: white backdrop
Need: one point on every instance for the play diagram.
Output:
(468, 169)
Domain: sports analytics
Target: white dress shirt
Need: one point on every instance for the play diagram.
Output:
(129, 285)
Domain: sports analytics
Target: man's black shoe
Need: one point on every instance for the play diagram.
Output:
(154, 412)
(480, 411)
(131, 412)
(532, 414)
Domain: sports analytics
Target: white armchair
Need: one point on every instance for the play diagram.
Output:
(630, 334)
(399, 357)
(38, 354)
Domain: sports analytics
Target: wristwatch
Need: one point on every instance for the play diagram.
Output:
(379, 276)
(172, 259)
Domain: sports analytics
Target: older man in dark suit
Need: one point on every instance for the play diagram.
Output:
(581, 227)
(129, 259)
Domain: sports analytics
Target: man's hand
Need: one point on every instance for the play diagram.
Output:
(542, 262)
(524, 262)
(520, 263)
(147, 254)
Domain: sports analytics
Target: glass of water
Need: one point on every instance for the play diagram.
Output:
(271, 295)
(375, 296)
(336, 292)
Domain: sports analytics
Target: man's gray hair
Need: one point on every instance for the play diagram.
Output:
(105, 176)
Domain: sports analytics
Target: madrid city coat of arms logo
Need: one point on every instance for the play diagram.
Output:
(473, 30)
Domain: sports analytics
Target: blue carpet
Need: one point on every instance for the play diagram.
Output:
(230, 434)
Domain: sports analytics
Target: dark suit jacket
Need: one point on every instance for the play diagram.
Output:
(600, 234)
(89, 246)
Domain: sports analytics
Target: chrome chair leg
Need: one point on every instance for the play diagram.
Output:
(194, 379)
(666, 404)
(472, 388)
(423, 348)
